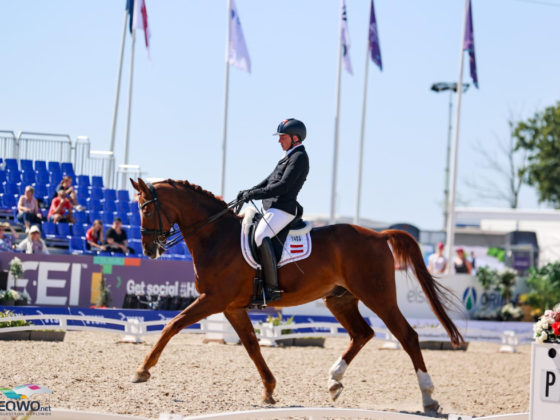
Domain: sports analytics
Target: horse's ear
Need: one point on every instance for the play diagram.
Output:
(134, 184)
(142, 187)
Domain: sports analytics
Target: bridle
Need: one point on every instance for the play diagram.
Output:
(167, 239)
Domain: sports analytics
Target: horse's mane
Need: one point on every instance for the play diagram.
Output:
(198, 189)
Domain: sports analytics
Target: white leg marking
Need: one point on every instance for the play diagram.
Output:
(426, 386)
(337, 370)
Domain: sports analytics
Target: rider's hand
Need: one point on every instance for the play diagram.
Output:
(248, 195)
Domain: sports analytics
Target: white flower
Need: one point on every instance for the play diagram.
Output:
(548, 313)
(543, 324)
(543, 336)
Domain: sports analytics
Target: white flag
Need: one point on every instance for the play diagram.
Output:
(140, 20)
(237, 55)
(345, 40)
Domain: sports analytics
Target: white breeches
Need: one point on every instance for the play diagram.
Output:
(273, 221)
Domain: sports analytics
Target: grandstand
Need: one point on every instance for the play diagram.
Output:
(93, 183)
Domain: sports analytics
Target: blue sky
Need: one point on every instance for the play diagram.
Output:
(59, 72)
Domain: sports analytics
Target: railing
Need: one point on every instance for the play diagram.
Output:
(61, 148)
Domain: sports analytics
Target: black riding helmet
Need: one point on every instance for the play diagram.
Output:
(292, 127)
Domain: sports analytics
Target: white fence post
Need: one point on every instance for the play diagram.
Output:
(509, 342)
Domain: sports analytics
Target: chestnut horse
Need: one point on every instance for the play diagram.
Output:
(348, 264)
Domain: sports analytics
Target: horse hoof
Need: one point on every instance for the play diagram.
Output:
(268, 399)
(432, 408)
(335, 388)
(140, 376)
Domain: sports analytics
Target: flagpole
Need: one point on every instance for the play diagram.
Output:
(226, 97)
(332, 219)
(130, 84)
(362, 134)
(453, 182)
(110, 168)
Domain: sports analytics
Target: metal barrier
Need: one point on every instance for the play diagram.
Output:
(8, 144)
(44, 146)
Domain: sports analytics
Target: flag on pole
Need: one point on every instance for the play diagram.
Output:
(140, 20)
(130, 11)
(345, 39)
(468, 45)
(238, 55)
(374, 47)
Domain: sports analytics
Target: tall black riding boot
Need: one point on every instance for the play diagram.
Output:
(270, 272)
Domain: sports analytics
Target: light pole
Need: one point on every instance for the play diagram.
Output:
(451, 87)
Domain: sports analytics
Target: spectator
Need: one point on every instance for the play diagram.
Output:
(28, 209)
(66, 185)
(33, 244)
(437, 263)
(116, 239)
(462, 265)
(61, 208)
(94, 236)
(6, 239)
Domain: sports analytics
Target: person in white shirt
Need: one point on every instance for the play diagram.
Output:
(437, 263)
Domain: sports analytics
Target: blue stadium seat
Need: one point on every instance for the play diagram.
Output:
(134, 232)
(97, 181)
(96, 193)
(41, 165)
(54, 166)
(63, 230)
(51, 191)
(28, 176)
(49, 229)
(134, 218)
(8, 201)
(78, 229)
(42, 177)
(93, 215)
(26, 165)
(1, 188)
(109, 205)
(83, 181)
(76, 245)
(136, 245)
(82, 200)
(11, 188)
(107, 218)
(21, 188)
(67, 168)
(124, 217)
(110, 194)
(80, 217)
(2, 176)
(122, 195)
(13, 175)
(94, 205)
(55, 177)
(40, 190)
(123, 206)
(11, 164)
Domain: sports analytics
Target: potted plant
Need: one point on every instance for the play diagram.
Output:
(544, 288)
(16, 269)
(13, 335)
(9, 297)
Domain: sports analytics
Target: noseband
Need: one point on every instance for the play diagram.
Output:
(166, 239)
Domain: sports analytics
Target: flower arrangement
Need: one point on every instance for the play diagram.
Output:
(16, 268)
(547, 328)
(8, 297)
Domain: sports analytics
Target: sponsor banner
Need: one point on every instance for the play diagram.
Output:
(70, 280)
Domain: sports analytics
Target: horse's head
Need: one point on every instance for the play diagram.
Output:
(156, 218)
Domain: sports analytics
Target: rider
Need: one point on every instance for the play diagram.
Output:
(279, 193)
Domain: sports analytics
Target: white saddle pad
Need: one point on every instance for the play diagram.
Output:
(297, 246)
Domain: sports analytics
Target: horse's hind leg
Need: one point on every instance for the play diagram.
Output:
(239, 319)
(202, 307)
(344, 307)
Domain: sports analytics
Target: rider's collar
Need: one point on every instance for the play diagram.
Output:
(289, 152)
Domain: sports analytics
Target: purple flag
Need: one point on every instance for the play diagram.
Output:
(468, 45)
(374, 48)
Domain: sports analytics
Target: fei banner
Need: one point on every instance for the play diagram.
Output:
(71, 280)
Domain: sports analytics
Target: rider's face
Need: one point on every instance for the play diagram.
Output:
(285, 141)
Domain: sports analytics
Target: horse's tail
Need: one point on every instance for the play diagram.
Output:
(407, 254)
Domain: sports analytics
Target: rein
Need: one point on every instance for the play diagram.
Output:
(167, 239)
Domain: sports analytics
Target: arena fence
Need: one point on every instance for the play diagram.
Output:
(217, 328)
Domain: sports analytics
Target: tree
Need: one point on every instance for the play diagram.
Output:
(506, 166)
(540, 137)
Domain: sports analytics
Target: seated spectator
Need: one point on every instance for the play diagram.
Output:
(116, 239)
(33, 244)
(61, 208)
(28, 209)
(437, 263)
(462, 265)
(7, 241)
(94, 237)
(66, 185)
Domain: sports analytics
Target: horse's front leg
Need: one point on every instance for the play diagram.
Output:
(202, 307)
(240, 321)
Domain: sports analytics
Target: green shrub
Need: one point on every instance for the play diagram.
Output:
(544, 285)
(7, 314)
